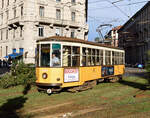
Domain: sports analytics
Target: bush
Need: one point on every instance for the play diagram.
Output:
(21, 74)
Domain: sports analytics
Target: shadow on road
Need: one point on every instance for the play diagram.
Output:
(142, 74)
(135, 85)
(11, 107)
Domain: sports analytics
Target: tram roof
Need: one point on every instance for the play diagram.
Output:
(68, 39)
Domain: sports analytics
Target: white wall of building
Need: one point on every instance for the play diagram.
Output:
(20, 22)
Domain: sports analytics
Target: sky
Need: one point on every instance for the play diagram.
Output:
(104, 12)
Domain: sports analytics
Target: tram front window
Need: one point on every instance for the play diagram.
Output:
(56, 55)
(45, 55)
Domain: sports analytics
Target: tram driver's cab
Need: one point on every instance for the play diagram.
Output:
(49, 55)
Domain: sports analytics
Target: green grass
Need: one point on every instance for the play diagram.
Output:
(119, 99)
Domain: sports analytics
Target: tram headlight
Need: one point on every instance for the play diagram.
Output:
(44, 75)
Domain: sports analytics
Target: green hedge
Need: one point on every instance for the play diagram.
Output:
(20, 74)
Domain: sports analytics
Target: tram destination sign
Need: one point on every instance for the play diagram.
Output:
(71, 75)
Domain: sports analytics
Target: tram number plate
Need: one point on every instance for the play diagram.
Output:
(71, 75)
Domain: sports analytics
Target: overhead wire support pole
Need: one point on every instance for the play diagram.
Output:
(100, 32)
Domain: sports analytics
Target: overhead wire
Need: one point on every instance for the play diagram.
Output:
(93, 2)
(118, 8)
(101, 8)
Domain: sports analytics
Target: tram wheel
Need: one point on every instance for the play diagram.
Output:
(85, 86)
(114, 79)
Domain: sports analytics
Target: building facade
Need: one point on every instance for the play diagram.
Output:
(135, 36)
(22, 22)
(113, 36)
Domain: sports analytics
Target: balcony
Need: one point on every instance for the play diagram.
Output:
(54, 21)
(18, 21)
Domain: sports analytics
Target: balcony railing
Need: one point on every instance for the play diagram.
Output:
(48, 20)
(15, 21)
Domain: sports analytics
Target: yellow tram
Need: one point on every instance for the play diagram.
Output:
(75, 64)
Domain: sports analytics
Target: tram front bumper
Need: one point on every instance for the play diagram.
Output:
(49, 84)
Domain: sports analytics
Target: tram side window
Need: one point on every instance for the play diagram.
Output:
(118, 55)
(116, 58)
(93, 61)
(97, 57)
(75, 56)
(113, 58)
(45, 55)
(66, 55)
(84, 57)
(121, 58)
(108, 57)
(56, 54)
(89, 56)
(101, 57)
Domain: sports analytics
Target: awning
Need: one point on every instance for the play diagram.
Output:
(14, 55)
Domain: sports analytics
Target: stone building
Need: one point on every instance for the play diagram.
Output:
(135, 36)
(22, 22)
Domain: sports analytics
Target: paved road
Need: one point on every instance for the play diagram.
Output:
(135, 72)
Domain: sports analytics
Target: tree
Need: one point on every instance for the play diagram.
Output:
(97, 39)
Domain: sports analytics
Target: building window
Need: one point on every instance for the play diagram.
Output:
(1, 34)
(2, 18)
(2, 3)
(114, 32)
(72, 34)
(73, 1)
(21, 10)
(14, 33)
(41, 31)
(6, 50)
(58, 14)
(21, 50)
(21, 31)
(58, 0)
(7, 13)
(14, 50)
(6, 34)
(14, 12)
(57, 32)
(1, 51)
(7, 2)
(73, 16)
(41, 11)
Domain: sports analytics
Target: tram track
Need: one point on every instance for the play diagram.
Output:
(90, 109)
